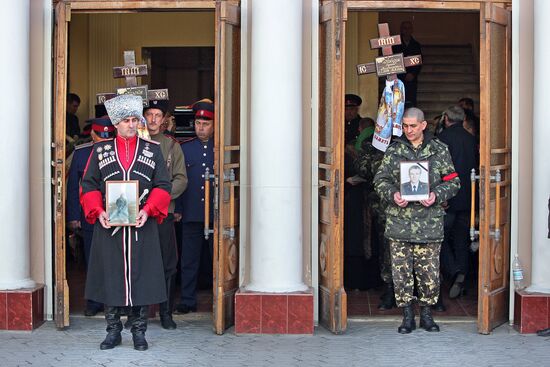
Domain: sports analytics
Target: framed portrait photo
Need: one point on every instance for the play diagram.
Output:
(415, 183)
(122, 203)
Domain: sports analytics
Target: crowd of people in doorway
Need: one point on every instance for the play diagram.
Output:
(408, 208)
(133, 266)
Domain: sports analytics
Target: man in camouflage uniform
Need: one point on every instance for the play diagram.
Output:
(415, 229)
(366, 166)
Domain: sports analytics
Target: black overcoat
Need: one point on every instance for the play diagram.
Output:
(126, 269)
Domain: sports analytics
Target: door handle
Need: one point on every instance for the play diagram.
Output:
(231, 230)
(207, 177)
(473, 232)
(498, 179)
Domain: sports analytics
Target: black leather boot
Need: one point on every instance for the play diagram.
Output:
(165, 308)
(457, 289)
(132, 313)
(139, 327)
(426, 320)
(387, 300)
(114, 327)
(408, 323)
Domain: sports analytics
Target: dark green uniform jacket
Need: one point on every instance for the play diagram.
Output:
(415, 222)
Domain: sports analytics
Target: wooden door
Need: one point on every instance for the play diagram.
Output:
(226, 164)
(332, 296)
(496, 131)
(61, 288)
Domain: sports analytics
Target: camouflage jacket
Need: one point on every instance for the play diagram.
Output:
(415, 222)
(368, 161)
(366, 166)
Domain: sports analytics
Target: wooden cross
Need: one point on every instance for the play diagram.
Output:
(130, 71)
(389, 64)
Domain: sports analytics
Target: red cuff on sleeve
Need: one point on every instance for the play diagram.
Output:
(92, 205)
(157, 204)
(449, 177)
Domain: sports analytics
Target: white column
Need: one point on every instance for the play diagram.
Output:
(540, 277)
(276, 146)
(14, 147)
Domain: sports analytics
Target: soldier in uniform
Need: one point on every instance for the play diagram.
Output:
(351, 114)
(357, 250)
(125, 262)
(366, 166)
(155, 115)
(199, 155)
(415, 229)
(101, 129)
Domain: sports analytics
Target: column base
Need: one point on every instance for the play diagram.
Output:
(274, 313)
(22, 309)
(531, 312)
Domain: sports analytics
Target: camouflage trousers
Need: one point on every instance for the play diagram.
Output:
(384, 257)
(415, 261)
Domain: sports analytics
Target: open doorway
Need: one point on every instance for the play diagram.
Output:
(182, 62)
(450, 47)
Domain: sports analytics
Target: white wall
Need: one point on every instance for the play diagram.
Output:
(540, 274)
(39, 147)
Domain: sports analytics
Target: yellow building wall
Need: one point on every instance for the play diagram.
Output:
(360, 28)
(97, 42)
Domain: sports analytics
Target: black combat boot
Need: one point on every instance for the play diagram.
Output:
(408, 323)
(426, 320)
(387, 300)
(114, 327)
(132, 313)
(139, 327)
(165, 308)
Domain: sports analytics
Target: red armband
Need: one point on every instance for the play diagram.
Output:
(450, 176)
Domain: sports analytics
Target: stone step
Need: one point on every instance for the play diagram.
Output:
(448, 87)
(430, 114)
(443, 68)
(448, 97)
(447, 59)
(448, 77)
(434, 108)
(446, 50)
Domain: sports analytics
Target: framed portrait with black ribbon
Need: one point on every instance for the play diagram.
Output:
(414, 179)
(121, 202)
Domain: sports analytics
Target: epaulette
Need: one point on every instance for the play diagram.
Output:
(150, 141)
(104, 140)
(187, 140)
(85, 145)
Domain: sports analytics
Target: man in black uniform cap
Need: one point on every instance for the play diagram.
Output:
(199, 155)
(76, 222)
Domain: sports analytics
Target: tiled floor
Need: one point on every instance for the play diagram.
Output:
(193, 343)
(365, 303)
(76, 278)
(360, 303)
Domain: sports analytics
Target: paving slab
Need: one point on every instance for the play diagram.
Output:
(369, 342)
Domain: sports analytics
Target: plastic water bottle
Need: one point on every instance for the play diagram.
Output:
(517, 272)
